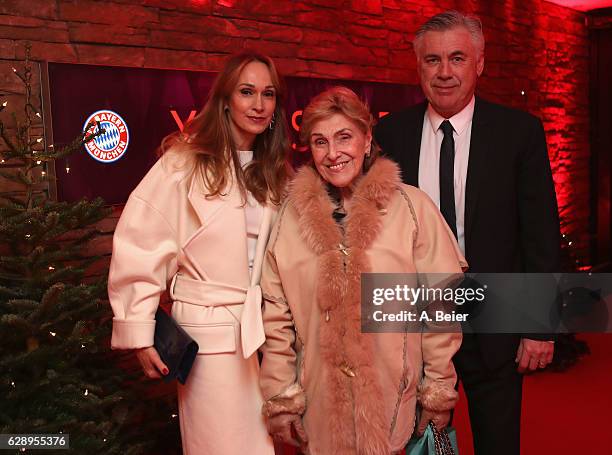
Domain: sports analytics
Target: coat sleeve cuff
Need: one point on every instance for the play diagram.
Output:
(291, 401)
(130, 334)
(437, 397)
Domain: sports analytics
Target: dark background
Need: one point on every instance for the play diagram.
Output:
(144, 98)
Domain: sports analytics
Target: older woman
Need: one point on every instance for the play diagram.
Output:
(197, 224)
(329, 387)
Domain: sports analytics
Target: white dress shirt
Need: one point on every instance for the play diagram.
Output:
(429, 160)
(253, 212)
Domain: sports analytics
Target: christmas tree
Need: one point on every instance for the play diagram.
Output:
(58, 373)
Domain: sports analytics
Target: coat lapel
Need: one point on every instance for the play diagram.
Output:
(220, 217)
(480, 142)
(412, 138)
(269, 215)
(205, 208)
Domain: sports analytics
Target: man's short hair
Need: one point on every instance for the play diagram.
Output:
(451, 19)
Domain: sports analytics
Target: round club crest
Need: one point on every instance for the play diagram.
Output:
(111, 145)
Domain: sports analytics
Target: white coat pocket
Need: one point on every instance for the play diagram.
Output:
(213, 338)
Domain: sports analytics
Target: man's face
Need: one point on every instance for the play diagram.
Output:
(448, 64)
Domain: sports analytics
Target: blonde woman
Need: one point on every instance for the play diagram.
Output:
(328, 387)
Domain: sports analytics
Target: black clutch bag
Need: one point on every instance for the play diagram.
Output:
(175, 347)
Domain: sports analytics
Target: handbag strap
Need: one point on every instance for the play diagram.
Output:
(442, 441)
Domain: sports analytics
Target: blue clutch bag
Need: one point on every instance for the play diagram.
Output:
(434, 442)
(175, 347)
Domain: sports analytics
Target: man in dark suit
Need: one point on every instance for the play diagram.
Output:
(487, 168)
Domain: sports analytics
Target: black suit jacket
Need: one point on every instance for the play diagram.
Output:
(511, 216)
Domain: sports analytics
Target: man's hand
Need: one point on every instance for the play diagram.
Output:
(533, 354)
(287, 428)
(439, 419)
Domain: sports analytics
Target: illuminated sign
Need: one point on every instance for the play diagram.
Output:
(295, 124)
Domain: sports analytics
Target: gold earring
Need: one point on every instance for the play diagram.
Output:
(273, 121)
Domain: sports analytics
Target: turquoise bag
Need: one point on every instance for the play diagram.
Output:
(434, 442)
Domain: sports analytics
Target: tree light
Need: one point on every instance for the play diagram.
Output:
(86, 392)
(39, 140)
(51, 267)
(38, 162)
(5, 104)
(52, 334)
(67, 169)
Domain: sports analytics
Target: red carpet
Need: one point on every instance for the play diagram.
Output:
(563, 413)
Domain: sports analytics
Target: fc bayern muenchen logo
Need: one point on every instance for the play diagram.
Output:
(111, 145)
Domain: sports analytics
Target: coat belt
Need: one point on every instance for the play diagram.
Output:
(212, 294)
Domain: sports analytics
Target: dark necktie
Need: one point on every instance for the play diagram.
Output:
(447, 173)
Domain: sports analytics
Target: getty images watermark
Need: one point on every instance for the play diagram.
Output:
(409, 302)
(421, 300)
(486, 303)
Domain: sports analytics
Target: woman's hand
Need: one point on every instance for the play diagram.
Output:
(152, 365)
(287, 428)
(440, 420)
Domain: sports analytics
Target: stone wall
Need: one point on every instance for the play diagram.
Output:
(537, 53)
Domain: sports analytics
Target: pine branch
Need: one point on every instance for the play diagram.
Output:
(49, 300)
(7, 293)
(15, 201)
(8, 141)
(22, 305)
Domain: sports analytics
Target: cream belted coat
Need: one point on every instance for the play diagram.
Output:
(170, 234)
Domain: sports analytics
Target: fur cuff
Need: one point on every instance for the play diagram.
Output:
(437, 397)
(291, 401)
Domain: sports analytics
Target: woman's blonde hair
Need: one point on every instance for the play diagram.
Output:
(209, 140)
(338, 100)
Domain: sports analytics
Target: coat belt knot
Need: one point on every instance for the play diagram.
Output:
(208, 293)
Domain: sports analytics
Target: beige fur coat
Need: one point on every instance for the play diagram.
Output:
(357, 392)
